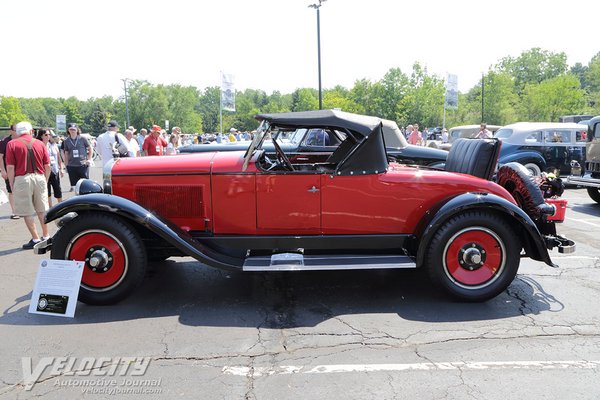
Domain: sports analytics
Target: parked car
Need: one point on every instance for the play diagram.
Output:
(457, 132)
(591, 172)
(543, 146)
(318, 143)
(256, 210)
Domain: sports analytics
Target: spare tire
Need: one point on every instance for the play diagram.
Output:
(515, 178)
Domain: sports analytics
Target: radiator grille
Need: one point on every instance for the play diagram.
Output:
(181, 202)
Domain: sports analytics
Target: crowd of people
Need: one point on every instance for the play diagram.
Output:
(32, 162)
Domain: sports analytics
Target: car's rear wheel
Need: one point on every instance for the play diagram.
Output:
(473, 256)
(114, 256)
(594, 194)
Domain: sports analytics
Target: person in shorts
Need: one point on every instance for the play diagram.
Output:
(28, 169)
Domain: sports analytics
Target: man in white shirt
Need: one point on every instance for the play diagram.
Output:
(132, 144)
(483, 132)
(106, 142)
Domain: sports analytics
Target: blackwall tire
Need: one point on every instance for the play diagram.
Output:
(473, 256)
(514, 178)
(114, 255)
(594, 194)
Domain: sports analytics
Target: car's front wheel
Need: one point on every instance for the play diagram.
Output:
(114, 256)
(594, 194)
(473, 256)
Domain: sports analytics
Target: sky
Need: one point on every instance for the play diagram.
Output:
(84, 48)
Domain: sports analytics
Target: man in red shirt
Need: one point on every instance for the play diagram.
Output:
(28, 169)
(154, 145)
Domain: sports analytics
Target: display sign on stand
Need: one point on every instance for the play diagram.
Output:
(56, 288)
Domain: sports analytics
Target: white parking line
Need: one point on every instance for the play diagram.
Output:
(585, 222)
(456, 365)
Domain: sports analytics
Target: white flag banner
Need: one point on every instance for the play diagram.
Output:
(227, 92)
(452, 91)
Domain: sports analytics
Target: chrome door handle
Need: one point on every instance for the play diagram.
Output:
(313, 190)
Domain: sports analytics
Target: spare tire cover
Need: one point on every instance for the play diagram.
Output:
(515, 178)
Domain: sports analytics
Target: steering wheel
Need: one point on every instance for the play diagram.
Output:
(272, 164)
(282, 157)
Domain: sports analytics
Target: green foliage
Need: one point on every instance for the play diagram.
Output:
(533, 66)
(552, 98)
(10, 111)
(533, 86)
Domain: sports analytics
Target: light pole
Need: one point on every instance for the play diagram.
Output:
(125, 80)
(317, 7)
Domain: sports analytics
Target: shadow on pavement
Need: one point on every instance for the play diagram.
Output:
(202, 296)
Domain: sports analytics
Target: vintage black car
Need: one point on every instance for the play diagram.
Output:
(543, 146)
(321, 142)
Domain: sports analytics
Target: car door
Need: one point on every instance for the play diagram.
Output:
(288, 202)
(558, 150)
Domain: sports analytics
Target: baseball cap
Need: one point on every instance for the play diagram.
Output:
(156, 128)
(233, 130)
(113, 124)
(23, 127)
(72, 125)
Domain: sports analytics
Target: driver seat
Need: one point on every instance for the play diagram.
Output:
(477, 157)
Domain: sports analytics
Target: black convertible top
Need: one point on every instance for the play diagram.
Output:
(360, 124)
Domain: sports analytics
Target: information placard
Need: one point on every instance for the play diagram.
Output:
(56, 288)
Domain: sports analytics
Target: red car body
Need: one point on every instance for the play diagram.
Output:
(255, 210)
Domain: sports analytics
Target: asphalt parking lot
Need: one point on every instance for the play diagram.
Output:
(209, 334)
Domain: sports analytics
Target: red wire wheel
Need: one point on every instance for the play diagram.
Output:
(103, 248)
(474, 257)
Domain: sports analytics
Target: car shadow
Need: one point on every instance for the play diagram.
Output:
(592, 208)
(202, 296)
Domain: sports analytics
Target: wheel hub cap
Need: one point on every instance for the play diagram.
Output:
(99, 260)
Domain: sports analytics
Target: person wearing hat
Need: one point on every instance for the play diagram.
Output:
(106, 142)
(154, 144)
(28, 169)
(78, 155)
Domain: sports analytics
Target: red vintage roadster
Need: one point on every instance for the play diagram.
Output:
(259, 211)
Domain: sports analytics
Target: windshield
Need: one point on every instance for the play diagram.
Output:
(256, 142)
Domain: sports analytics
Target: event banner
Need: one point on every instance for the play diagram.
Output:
(452, 91)
(227, 92)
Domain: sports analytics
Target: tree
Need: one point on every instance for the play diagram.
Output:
(552, 98)
(580, 71)
(592, 75)
(500, 99)
(71, 106)
(208, 106)
(10, 111)
(533, 66)
(305, 100)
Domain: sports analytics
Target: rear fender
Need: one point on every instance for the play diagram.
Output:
(138, 215)
(533, 240)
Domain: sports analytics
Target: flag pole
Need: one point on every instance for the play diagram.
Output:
(221, 103)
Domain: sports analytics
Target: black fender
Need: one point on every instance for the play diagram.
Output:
(138, 215)
(534, 241)
(524, 157)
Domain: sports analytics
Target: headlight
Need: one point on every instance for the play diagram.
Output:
(107, 176)
(87, 186)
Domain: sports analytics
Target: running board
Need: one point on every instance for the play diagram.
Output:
(300, 262)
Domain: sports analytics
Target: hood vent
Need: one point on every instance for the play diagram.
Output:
(171, 202)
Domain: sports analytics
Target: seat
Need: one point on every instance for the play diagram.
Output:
(475, 157)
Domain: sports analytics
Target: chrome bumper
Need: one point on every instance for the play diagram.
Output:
(583, 181)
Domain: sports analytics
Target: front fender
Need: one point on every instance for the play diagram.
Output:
(138, 215)
(524, 157)
(484, 201)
